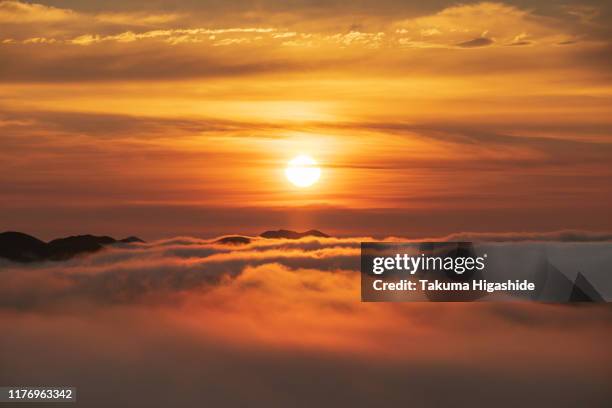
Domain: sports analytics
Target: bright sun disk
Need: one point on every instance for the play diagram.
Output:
(303, 171)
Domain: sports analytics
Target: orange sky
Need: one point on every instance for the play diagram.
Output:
(161, 119)
(426, 119)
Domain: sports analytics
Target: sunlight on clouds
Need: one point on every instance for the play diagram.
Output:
(144, 19)
(22, 12)
(498, 23)
(478, 106)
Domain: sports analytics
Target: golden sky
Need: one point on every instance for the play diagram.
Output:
(161, 119)
(150, 119)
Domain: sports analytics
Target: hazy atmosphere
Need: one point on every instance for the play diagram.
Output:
(426, 118)
(175, 133)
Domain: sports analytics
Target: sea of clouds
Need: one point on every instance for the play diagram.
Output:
(188, 321)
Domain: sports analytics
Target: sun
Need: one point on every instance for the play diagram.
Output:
(303, 171)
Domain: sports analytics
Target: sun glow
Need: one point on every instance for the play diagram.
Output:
(303, 171)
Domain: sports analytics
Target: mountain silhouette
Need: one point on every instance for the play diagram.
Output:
(288, 234)
(20, 247)
(234, 240)
(131, 240)
(65, 248)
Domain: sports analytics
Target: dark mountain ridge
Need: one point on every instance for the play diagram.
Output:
(234, 240)
(288, 234)
(20, 247)
(282, 234)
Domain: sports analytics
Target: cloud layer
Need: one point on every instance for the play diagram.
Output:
(134, 273)
(428, 118)
(240, 319)
(263, 42)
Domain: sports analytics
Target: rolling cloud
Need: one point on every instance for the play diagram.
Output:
(148, 117)
(168, 268)
(243, 317)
